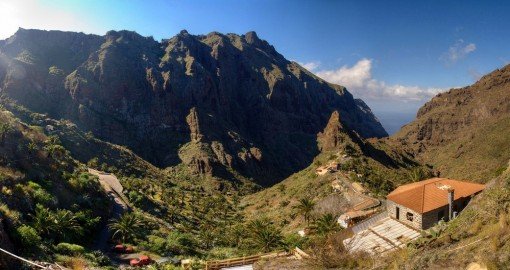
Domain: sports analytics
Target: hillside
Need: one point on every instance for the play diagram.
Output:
(374, 164)
(178, 213)
(225, 105)
(40, 180)
(480, 235)
(464, 133)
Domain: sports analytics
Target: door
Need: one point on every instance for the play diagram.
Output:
(397, 211)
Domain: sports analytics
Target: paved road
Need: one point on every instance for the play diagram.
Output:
(112, 186)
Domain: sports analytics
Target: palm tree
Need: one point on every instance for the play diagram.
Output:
(67, 225)
(55, 151)
(59, 225)
(5, 128)
(126, 227)
(325, 225)
(305, 208)
(264, 235)
(43, 221)
(32, 147)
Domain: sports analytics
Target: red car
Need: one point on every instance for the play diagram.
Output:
(143, 260)
(123, 249)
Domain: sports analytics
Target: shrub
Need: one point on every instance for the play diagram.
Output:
(156, 244)
(28, 237)
(181, 243)
(69, 249)
(83, 182)
(40, 195)
(98, 258)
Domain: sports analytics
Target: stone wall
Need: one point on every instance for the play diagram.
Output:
(392, 212)
(427, 220)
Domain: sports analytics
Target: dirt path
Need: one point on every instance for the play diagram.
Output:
(114, 190)
(367, 202)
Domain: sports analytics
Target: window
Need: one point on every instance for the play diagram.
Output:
(440, 215)
(410, 216)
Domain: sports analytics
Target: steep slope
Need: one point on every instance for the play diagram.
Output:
(464, 133)
(225, 105)
(38, 177)
(479, 235)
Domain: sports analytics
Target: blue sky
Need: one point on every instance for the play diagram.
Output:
(393, 54)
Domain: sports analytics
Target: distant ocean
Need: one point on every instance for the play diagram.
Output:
(393, 121)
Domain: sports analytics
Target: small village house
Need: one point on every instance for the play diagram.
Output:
(422, 204)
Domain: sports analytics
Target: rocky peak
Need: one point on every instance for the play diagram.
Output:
(194, 125)
(252, 38)
(261, 112)
(333, 135)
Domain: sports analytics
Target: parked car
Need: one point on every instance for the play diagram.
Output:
(123, 249)
(143, 260)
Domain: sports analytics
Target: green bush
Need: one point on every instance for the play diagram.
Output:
(156, 244)
(69, 249)
(181, 243)
(84, 182)
(40, 195)
(28, 237)
(98, 258)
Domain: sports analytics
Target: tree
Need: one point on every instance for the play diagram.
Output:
(305, 208)
(43, 220)
(55, 151)
(67, 226)
(58, 225)
(126, 227)
(264, 235)
(32, 147)
(325, 225)
(417, 174)
(5, 128)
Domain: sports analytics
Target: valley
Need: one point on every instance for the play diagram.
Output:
(201, 148)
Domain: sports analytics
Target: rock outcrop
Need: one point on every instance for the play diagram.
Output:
(157, 97)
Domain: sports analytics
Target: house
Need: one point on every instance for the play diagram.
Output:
(422, 204)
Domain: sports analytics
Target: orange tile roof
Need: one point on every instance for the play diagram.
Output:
(425, 196)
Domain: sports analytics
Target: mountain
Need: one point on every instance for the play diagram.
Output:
(372, 163)
(465, 132)
(225, 105)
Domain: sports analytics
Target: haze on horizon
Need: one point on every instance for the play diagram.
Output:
(393, 55)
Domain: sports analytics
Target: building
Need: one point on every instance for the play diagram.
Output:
(422, 204)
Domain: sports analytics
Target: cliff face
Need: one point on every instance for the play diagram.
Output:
(464, 132)
(212, 101)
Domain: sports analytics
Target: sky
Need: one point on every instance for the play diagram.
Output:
(395, 55)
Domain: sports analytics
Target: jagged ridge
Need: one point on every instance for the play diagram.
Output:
(259, 113)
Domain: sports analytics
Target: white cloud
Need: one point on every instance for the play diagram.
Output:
(311, 66)
(358, 80)
(457, 51)
(35, 14)
(356, 76)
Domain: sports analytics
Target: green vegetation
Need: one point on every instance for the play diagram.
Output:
(305, 208)
(264, 235)
(127, 227)
(325, 225)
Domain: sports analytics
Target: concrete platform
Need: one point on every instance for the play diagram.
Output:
(381, 237)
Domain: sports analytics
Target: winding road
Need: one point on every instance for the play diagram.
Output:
(114, 189)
